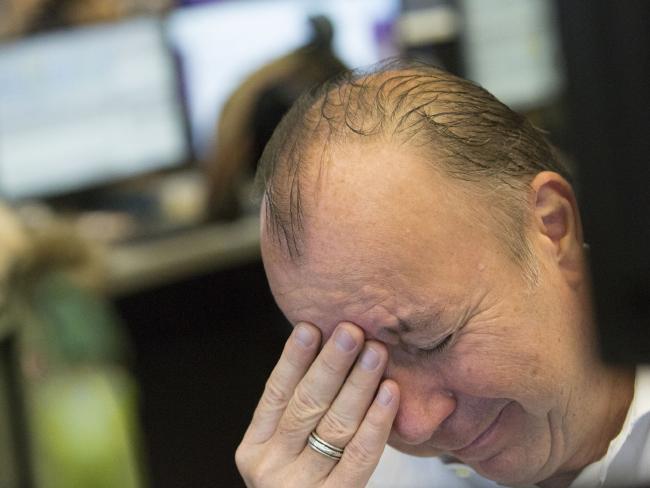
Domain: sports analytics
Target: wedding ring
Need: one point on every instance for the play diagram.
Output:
(324, 447)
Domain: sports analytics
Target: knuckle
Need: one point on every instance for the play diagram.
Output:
(304, 404)
(242, 459)
(302, 409)
(247, 462)
(290, 429)
(258, 478)
(336, 428)
(258, 474)
(274, 394)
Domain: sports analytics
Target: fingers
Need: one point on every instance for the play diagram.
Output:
(343, 418)
(299, 352)
(317, 390)
(333, 392)
(362, 453)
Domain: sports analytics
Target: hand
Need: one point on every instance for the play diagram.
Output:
(336, 393)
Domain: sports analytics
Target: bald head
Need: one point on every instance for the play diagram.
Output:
(457, 128)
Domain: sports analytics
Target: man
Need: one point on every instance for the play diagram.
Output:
(426, 244)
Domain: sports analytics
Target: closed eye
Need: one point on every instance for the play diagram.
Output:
(438, 348)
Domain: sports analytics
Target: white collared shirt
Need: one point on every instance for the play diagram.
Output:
(626, 463)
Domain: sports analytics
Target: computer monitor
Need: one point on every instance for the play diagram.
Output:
(220, 44)
(87, 106)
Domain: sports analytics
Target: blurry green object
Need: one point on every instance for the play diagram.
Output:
(84, 420)
(79, 325)
(83, 400)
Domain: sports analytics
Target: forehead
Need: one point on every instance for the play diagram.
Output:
(381, 226)
(380, 193)
(366, 297)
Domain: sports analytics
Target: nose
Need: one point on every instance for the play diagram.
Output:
(421, 411)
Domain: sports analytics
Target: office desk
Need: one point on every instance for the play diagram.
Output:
(150, 264)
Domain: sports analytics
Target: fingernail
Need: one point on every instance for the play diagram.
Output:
(384, 396)
(304, 336)
(344, 340)
(370, 359)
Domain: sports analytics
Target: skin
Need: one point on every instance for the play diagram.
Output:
(415, 261)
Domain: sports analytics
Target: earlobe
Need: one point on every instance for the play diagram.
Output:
(557, 218)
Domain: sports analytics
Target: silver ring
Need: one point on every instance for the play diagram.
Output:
(324, 447)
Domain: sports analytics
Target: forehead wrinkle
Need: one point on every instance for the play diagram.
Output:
(319, 292)
(373, 311)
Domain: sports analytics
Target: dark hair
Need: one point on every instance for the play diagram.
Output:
(473, 136)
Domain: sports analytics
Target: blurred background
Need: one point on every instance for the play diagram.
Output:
(136, 325)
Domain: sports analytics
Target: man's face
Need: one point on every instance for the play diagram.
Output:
(399, 251)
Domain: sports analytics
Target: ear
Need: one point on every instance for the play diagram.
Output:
(557, 222)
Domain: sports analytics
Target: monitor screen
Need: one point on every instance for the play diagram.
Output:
(220, 44)
(87, 106)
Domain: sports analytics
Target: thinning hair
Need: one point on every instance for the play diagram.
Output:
(462, 129)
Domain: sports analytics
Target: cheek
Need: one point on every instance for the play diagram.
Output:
(496, 368)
